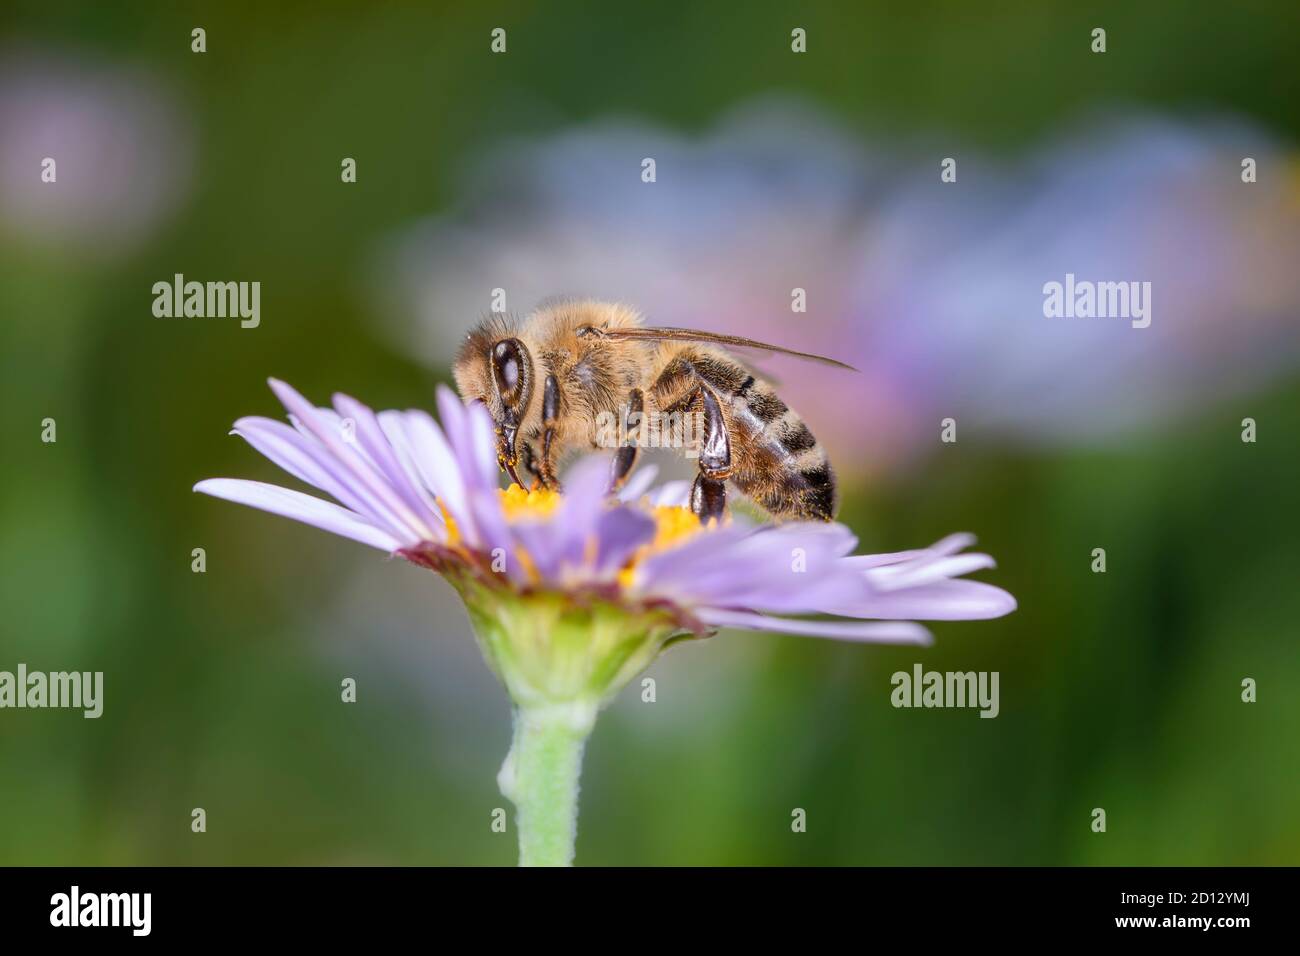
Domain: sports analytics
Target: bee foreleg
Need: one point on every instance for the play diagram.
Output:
(625, 454)
(530, 465)
(550, 415)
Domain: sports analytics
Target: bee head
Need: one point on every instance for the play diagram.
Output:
(495, 367)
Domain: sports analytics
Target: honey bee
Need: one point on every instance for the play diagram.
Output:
(551, 380)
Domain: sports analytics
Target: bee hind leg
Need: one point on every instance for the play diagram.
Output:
(708, 498)
(709, 492)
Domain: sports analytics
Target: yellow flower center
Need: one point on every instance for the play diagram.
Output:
(523, 504)
(453, 532)
(673, 524)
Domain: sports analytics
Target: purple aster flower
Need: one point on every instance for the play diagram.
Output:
(573, 595)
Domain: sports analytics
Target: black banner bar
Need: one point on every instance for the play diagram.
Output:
(366, 904)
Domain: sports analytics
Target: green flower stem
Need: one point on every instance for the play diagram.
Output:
(540, 776)
(560, 656)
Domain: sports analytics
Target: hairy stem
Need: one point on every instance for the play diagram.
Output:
(540, 776)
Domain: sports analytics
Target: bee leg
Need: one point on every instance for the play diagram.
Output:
(708, 498)
(550, 415)
(530, 465)
(626, 454)
(709, 492)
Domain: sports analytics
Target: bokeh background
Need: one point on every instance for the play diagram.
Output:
(774, 170)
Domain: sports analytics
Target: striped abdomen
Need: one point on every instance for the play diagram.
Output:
(776, 461)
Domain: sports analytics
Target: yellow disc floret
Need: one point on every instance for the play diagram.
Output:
(535, 503)
(453, 532)
(673, 526)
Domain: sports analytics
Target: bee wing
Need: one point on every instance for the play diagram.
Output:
(752, 360)
(712, 338)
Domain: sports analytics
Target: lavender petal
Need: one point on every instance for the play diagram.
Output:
(875, 632)
(300, 507)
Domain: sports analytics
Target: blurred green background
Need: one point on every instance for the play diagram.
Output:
(1118, 690)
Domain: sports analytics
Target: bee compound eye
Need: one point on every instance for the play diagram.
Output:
(506, 364)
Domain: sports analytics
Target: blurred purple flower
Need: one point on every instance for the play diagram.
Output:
(122, 149)
(948, 307)
(773, 200)
(934, 290)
